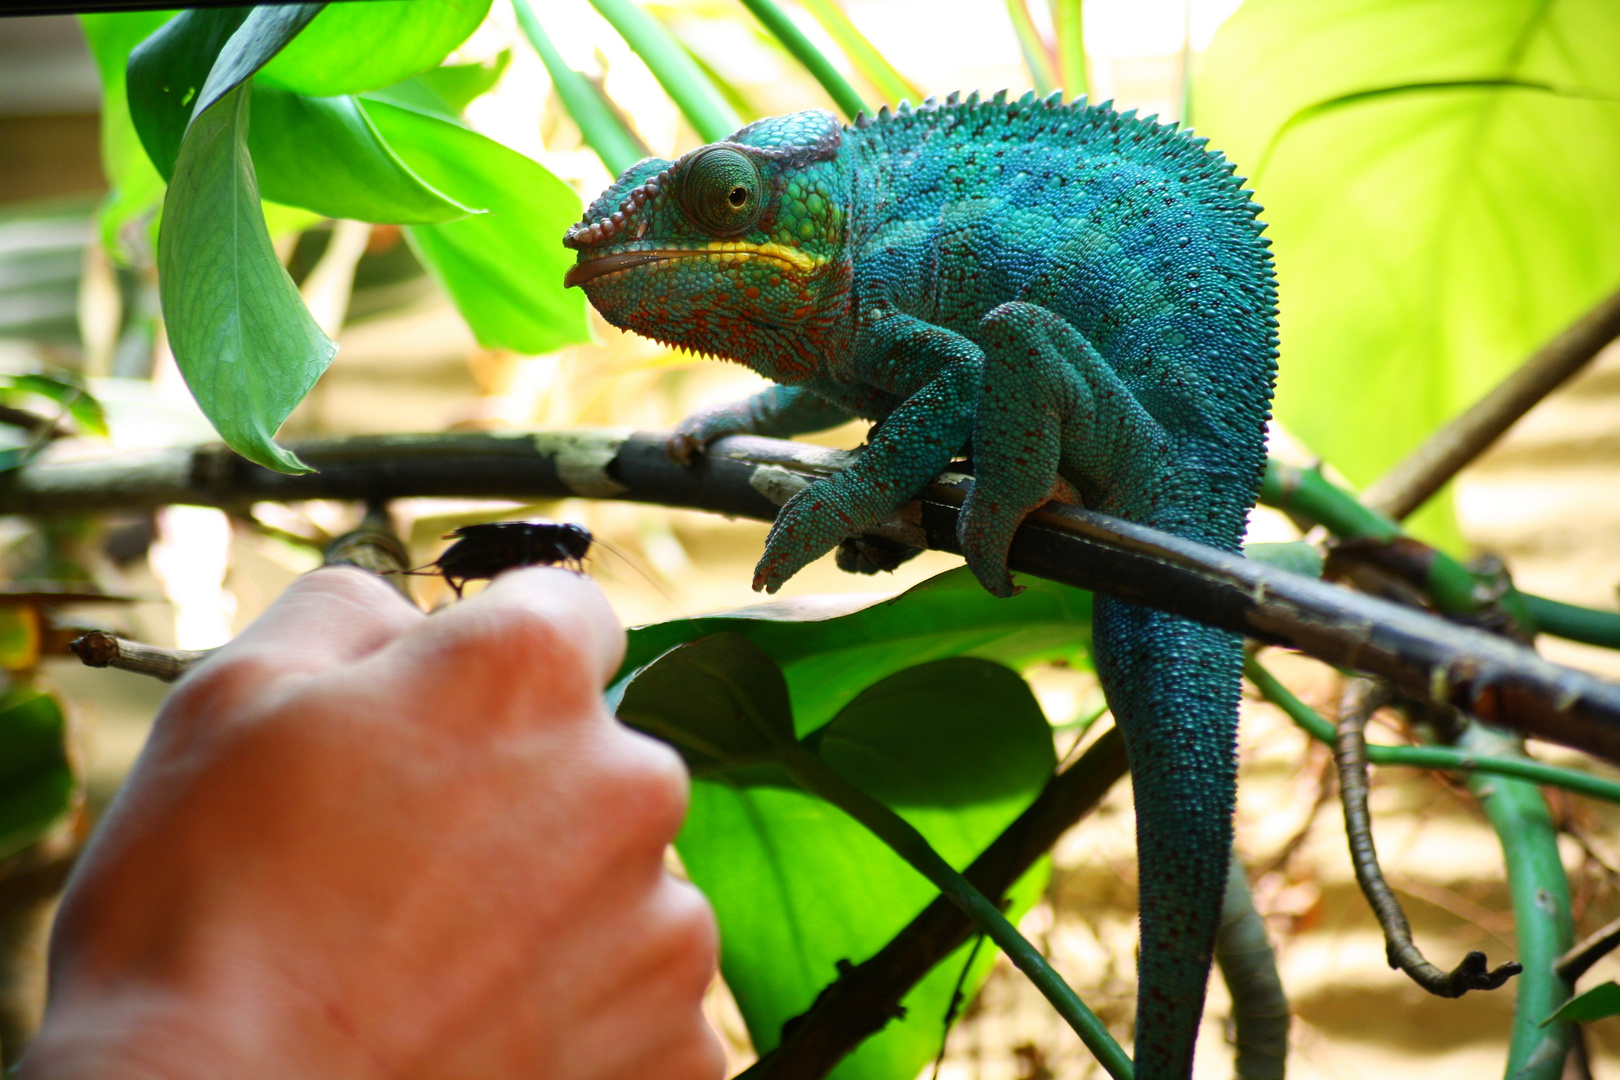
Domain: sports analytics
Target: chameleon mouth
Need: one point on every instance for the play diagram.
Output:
(792, 260)
(602, 265)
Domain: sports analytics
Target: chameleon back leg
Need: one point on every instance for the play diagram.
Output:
(1050, 403)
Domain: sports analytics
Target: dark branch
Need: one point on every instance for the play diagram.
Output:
(867, 995)
(1362, 698)
(1423, 656)
(1579, 960)
(1442, 455)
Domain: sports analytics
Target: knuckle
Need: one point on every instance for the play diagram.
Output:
(651, 782)
(697, 1056)
(695, 936)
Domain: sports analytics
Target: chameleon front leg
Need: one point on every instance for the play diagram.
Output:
(913, 444)
(1050, 407)
(776, 411)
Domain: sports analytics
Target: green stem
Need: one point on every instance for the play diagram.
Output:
(1036, 58)
(692, 93)
(602, 128)
(1575, 623)
(816, 777)
(1260, 1015)
(1069, 24)
(1449, 758)
(1310, 495)
(1541, 913)
(804, 51)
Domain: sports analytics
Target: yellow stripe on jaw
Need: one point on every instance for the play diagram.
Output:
(801, 261)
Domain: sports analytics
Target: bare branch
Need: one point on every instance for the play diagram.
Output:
(1443, 454)
(1425, 657)
(1579, 960)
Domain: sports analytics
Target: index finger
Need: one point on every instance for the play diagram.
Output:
(330, 616)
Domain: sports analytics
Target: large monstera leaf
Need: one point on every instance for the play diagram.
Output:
(1440, 178)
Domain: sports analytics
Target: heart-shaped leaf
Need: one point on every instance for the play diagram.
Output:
(720, 700)
(830, 648)
(1441, 202)
(961, 748)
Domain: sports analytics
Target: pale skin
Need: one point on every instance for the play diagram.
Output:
(365, 842)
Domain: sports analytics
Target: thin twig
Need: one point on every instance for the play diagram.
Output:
(1442, 455)
(102, 648)
(1594, 947)
(1362, 698)
(372, 546)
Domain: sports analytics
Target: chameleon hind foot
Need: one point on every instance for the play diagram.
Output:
(1051, 413)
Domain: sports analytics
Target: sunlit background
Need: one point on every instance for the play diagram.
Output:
(408, 363)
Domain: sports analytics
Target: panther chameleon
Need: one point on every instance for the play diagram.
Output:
(1079, 299)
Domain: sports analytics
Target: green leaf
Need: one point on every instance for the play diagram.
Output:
(136, 187)
(503, 269)
(720, 700)
(832, 647)
(352, 48)
(38, 786)
(195, 59)
(1595, 1004)
(600, 124)
(798, 886)
(460, 84)
(693, 94)
(260, 37)
(67, 392)
(353, 175)
(167, 70)
(1440, 178)
(247, 346)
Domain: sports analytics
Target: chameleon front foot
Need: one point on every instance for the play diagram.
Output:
(810, 525)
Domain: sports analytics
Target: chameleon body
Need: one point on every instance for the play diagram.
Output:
(1078, 297)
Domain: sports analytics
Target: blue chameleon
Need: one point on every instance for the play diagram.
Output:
(1079, 299)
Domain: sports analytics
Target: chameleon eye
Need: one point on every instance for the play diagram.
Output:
(720, 191)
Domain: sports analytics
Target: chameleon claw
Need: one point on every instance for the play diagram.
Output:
(683, 447)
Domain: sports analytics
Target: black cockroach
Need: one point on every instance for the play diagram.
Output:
(483, 551)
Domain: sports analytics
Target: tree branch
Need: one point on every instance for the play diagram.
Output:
(1425, 657)
(1443, 454)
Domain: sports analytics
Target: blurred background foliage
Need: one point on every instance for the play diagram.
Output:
(1440, 181)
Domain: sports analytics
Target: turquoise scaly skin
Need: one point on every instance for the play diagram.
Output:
(1080, 297)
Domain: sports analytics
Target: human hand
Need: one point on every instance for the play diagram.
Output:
(363, 842)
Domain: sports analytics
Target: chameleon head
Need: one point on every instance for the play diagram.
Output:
(735, 249)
